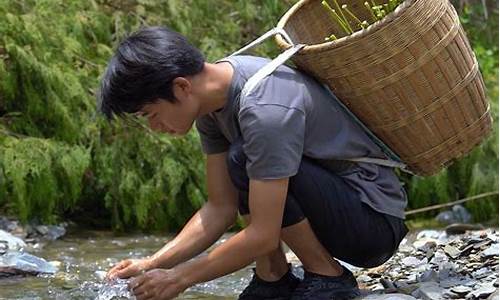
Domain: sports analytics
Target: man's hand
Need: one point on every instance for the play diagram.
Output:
(128, 268)
(157, 284)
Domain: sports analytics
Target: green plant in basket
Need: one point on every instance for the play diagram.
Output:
(345, 17)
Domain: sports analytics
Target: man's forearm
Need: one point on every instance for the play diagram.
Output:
(202, 230)
(235, 253)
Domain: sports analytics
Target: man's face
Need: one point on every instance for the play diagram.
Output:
(173, 118)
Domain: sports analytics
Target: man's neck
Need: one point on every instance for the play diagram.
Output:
(214, 83)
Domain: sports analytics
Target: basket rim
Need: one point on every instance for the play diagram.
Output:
(283, 44)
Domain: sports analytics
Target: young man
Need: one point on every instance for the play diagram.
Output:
(276, 156)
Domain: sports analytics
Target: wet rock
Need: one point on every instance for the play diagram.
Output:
(51, 232)
(491, 251)
(412, 261)
(481, 293)
(493, 296)
(453, 252)
(7, 225)
(364, 278)
(430, 291)
(434, 234)
(429, 275)
(13, 243)
(20, 263)
(425, 244)
(4, 246)
(461, 290)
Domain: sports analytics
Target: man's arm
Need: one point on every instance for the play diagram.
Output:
(209, 223)
(267, 202)
(202, 230)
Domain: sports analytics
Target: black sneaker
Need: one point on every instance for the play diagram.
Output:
(259, 289)
(321, 287)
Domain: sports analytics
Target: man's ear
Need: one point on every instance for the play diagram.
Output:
(181, 87)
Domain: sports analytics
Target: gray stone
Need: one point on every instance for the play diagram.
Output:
(406, 249)
(23, 263)
(429, 245)
(51, 232)
(389, 297)
(445, 217)
(461, 290)
(493, 296)
(7, 225)
(364, 278)
(461, 214)
(420, 244)
(435, 234)
(453, 252)
(439, 257)
(4, 246)
(457, 214)
(412, 261)
(483, 291)
(13, 243)
(430, 291)
(482, 244)
(456, 281)
(491, 251)
(429, 275)
(481, 273)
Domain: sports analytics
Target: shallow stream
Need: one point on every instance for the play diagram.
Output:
(84, 258)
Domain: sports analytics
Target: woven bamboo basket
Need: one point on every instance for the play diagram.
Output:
(411, 78)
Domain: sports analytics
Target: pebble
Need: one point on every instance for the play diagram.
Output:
(483, 292)
(430, 291)
(461, 290)
(452, 251)
(412, 261)
(389, 297)
(438, 266)
(491, 251)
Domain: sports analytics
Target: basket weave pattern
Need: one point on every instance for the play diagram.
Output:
(412, 78)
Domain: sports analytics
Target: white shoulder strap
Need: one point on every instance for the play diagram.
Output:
(265, 71)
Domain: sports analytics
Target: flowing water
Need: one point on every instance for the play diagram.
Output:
(85, 257)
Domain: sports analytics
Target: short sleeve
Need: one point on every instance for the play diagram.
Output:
(212, 139)
(273, 140)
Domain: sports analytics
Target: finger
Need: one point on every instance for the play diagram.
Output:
(144, 287)
(116, 268)
(127, 272)
(146, 296)
(145, 291)
(136, 282)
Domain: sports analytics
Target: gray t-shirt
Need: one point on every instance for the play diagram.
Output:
(288, 115)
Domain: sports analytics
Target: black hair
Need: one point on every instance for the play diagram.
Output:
(143, 68)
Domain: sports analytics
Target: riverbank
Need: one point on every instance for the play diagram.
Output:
(430, 264)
